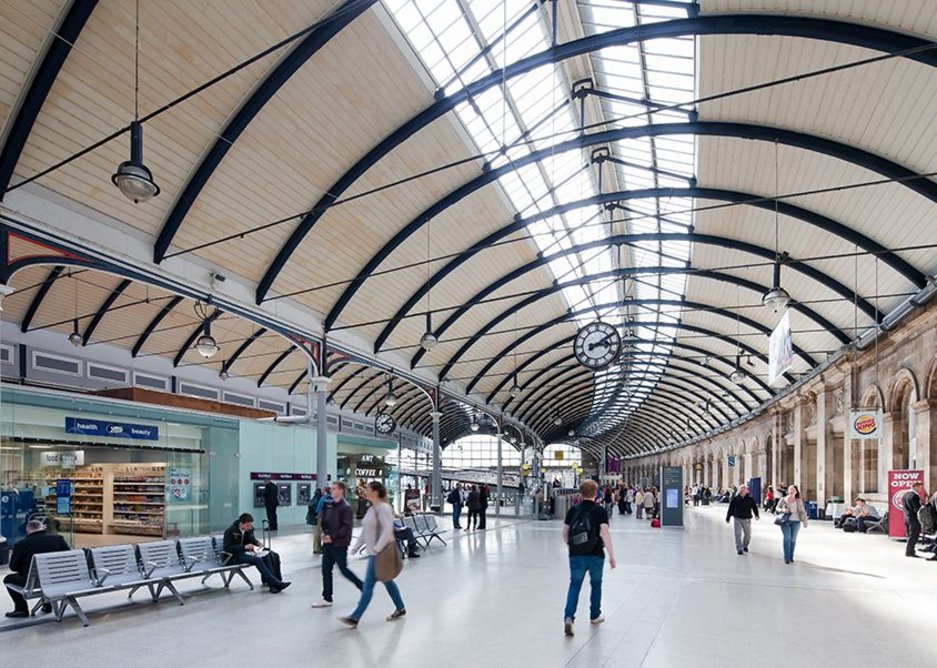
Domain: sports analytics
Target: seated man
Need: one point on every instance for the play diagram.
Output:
(37, 541)
(864, 514)
(403, 533)
(239, 541)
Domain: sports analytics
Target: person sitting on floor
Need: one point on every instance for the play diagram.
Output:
(239, 541)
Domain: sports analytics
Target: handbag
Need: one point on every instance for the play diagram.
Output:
(388, 563)
(782, 519)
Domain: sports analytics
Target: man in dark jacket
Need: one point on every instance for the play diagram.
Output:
(37, 541)
(911, 504)
(240, 542)
(741, 508)
(336, 522)
(271, 501)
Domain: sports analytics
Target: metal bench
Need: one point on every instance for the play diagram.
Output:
(63, 578)
(880, 524)
(31, 588)
(201, 555)
(432, 529)
(160, 561)
(118, 567)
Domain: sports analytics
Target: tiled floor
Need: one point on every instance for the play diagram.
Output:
(678, 598)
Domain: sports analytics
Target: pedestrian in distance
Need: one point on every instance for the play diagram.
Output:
(639, 504)
(455, 499)
(474, 504)
(911, 504)
(792, 514)
(271, 502)
(484, 496)
(377, 531)
(336, 522)
(585, 532)
(740, 509)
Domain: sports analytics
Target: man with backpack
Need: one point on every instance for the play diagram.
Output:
(455, 498)
(585, 532)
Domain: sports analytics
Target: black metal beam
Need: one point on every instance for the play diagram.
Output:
(59, 46)
(228, 363)
(154, 323)
(324, 30)
(282, 356)
(865, 159)
(54, 274)
(725, 24)
(102, 311)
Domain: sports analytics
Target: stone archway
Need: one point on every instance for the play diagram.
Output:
(901, 423)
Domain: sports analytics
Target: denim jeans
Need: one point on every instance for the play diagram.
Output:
(790, 529)
(266, 576)
(367, 590)
(456, 514)
(578, 567)
(335, 556)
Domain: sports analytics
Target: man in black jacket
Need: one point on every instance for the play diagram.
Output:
(239, 541)
(741, 508)
(37, 541)
(911, 503)
(336, 521)
(271, 501)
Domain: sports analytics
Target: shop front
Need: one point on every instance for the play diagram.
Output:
(104, 471)
(361, 460)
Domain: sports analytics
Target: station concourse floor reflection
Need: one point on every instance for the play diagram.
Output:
(678, 598)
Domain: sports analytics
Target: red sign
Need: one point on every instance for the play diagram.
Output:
(899, 484)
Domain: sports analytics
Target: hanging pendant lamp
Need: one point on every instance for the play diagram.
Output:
(429, 340)
(390, 399)
(133, 178)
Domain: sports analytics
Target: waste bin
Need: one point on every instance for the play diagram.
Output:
(811, 509)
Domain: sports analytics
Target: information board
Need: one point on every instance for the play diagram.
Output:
(671, 511)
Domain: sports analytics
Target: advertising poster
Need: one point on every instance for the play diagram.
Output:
(899, 483)
(780, 351)
(180, 484)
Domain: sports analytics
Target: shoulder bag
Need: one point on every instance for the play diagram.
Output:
(388, 563)
(783, 517)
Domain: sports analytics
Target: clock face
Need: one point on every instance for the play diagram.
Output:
(597, 345)
(384, 423)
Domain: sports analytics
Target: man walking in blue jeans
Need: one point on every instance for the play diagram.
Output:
(585, 531)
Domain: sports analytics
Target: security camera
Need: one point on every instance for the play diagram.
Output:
(218, 278)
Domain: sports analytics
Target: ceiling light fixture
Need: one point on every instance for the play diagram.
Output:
(75, 337)
(390, 399)
(429, 340)
(737, 375)
(206, 345)
(777, 298)
(133, 178)
(223, 375)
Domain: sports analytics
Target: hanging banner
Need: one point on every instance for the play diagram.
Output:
(780, 351)
(865, 424)
(899, 484)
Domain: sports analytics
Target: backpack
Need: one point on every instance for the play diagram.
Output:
(927, 516)
(583, 537)
(655, 523)
(454, 497)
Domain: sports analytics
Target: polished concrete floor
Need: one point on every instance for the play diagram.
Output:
(678, 598)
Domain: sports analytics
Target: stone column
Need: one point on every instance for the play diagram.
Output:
(852, 462)
(798, 443)
(500, 476)
(926, 434)
(826, 465)
(776, 445)
(886, 448)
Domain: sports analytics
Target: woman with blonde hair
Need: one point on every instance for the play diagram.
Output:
(791, 515)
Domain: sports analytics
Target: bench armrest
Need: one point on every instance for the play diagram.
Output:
(100, 576)
(186, 566)
(151, 565)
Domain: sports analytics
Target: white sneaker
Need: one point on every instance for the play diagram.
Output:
(322, 604)
(597, 620)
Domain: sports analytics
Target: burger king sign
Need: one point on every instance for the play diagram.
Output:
(865, 424)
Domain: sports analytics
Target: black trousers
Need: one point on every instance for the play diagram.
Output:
(19, 603)
(335, 556)
(482, 517)
(913, 528)
(272, 517)
(472, 517)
